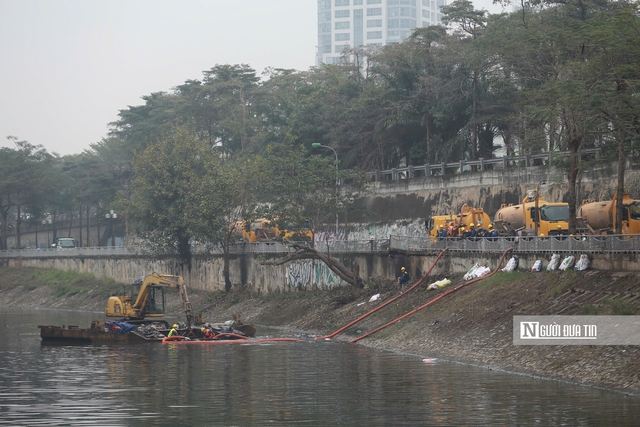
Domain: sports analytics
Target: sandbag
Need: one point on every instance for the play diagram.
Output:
(582, 263)
(439, 284)
(567, 263)
(476, 271)
(537, 266)
(512, 264)
(554, 262)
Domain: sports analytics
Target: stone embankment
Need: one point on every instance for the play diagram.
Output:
(472, 325)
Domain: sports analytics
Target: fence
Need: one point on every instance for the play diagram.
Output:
(562, 244)
(441, 168)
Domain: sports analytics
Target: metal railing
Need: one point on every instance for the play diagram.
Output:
(480, 165)
(559, 244)
(530, 244)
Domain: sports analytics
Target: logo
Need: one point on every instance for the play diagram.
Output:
(576, 330)
(555, 331)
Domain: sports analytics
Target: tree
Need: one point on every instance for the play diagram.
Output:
(298, 188)
(23, 173)
(157, 206)
(614, 69)
(219, 198)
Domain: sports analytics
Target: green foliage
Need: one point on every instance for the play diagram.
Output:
(70, 283)
(55, 277)
(611, 307)
(563, 76)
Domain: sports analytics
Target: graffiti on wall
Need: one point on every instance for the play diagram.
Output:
(323, 236)
(305, 274)
(384, 231)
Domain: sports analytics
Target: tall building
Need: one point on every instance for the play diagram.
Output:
(349, 23)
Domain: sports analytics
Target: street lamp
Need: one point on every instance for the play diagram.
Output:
(317, 144)
(111, 216)
(537, 198)
(47, 223)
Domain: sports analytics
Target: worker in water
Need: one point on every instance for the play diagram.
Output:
(208, 332)
(404, 277)
(174, 330)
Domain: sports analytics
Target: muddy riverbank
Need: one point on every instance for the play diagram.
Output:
(472, 325)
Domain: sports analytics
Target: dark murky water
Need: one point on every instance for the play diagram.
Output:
(284, 384)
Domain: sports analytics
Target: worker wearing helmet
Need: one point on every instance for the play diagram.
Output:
(473, 233)
(560, 232)
(208, 331)
(492, 233)
(174, 330)
(442, 233)
(404, 277)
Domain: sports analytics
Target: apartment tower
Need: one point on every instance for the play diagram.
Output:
(348, 23)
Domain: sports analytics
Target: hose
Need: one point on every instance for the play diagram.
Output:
(433, 300)
(419, 282)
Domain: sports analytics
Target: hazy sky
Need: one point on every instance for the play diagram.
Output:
(68, 66)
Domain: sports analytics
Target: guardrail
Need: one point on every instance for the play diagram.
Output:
(480, 165)
(528, 244)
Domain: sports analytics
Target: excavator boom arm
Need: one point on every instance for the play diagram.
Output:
(169, 281)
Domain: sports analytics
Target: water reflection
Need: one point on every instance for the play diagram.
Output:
(308, 383)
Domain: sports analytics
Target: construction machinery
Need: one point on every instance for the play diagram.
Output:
(454, 222)
(601, 217)
(139, 313)
(147, 299)
(534, 216)
(264, 230)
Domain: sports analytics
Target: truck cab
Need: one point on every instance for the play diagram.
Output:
(64, 243)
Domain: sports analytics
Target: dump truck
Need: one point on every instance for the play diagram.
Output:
(534, 216)
(465, 217)
(601, 217)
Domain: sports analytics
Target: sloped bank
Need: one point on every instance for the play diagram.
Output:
(473, 325)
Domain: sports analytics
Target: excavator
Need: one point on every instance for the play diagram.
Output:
(147, 299)
(145, 303)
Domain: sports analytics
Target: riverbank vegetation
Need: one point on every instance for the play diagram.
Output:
(554, 75)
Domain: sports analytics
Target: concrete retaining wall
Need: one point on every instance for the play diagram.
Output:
(247, 271)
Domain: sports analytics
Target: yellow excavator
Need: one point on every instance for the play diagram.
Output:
(147, 299)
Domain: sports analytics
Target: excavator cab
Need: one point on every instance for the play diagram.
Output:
(155, 302)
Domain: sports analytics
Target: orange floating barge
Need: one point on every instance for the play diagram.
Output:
(224, 339)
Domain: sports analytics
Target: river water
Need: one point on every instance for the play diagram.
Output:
(308, 383)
